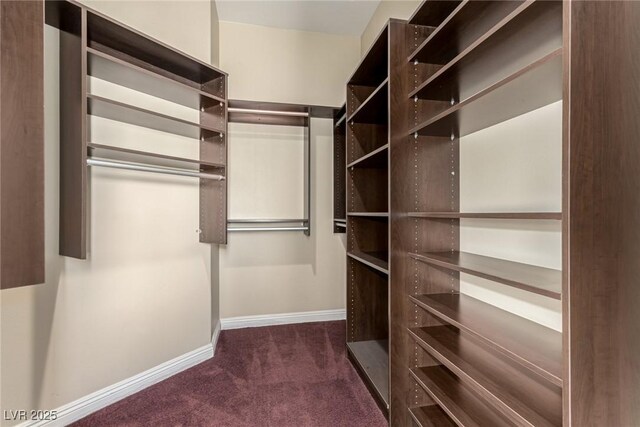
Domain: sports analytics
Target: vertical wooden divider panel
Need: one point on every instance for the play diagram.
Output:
(21, 144)
(602, 213)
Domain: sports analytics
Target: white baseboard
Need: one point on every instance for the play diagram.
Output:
(93, 402)
(282, 319)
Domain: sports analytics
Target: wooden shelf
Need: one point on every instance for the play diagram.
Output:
(532, 345)
(369, 214)
(103, 31)
(372, 70)
(431, 416)
(469, 21)
(378, 158)
(529, 88)
(489, 215)
(135, 156)
(513, 389)
(376, 260)
(374, 109)
(438, 86)
(372, 357)
(114, 110)
(434, 14)
(462, 405)
(341, 121)
(538, 280)
(107, 67)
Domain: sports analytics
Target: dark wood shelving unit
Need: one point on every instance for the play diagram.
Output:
(538, 280)
(339, 170)
(94, 45)
(372, 360)
(367, 189)
(467, 66)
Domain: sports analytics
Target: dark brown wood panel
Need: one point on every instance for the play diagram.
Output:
(602, 131)
(432, 12)
(534, 346)
(21, 144)
(462, 405)
(377, 260)
(539, 280)
(367, 301)
(490, 215)
(375, 159)
(73, 131)
(339, 169)
(374, 109)
(519, 395)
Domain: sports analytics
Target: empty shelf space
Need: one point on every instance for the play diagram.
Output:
(521, 395)
(369, 214)
(534, 86)
(143, 157)
(489, 215)
(114, 110)
(372, 357)
(444, 84)
(374, 65)
(462, 405)
(534, 346)
(538, 280)
(375, 159)
(109, 68)
(374, 109)
(431, 416)
(102, 30)
(376, 260)
(464, 25)
(431, 14)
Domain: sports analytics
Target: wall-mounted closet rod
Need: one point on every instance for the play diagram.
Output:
(154, 169)
(268, 112)
(263, 221)
(267, 228)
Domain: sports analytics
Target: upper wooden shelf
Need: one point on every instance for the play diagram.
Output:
(106, 67)
(378, 158)
(514, 389)
(534, 346)
(432, 12)
(468, 21)
(538, 280)
(444, 84)
(373, 68)
(531, 87)
(374, 109)
(431, 416)
(103, 31)
(154, 159)
(462, 405)
(375, 260)
(369, 214)
(489, 215)
(114, 110)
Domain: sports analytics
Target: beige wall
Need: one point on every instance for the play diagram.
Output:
(143, 296)
(284, 272)
(401, 9)
(215, 35)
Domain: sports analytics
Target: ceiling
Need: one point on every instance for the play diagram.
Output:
(346, 17)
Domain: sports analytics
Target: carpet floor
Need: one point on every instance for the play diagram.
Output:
(280, 376)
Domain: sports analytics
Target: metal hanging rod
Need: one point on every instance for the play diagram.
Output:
(267, 112)
(267, 228)
(154, 169)
(265, 221)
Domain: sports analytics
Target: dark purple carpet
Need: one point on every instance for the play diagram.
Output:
(281, 376)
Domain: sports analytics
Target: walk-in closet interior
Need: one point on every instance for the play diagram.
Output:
(319, 213)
